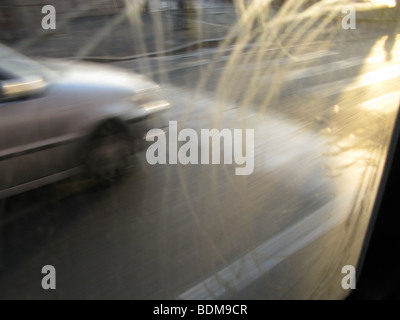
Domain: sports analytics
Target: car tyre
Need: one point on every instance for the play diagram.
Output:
(108, 158)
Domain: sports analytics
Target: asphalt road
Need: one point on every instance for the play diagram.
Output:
(200, 231)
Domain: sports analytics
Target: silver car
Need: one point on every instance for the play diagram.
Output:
(57, 118)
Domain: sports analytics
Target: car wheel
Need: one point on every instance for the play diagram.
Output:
(108, 158)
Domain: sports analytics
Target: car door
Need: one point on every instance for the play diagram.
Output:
(59, 118)
(20, 159)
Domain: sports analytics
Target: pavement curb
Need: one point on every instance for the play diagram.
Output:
(189, 47)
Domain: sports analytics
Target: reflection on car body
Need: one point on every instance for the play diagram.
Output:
(57, 116)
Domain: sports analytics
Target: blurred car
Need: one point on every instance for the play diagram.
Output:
(58, 117)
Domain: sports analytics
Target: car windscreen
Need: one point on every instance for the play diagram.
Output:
(16, 65)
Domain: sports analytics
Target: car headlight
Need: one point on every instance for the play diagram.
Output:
(155, 106)
(150, 101)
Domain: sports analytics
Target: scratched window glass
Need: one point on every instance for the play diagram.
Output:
(198, 149)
